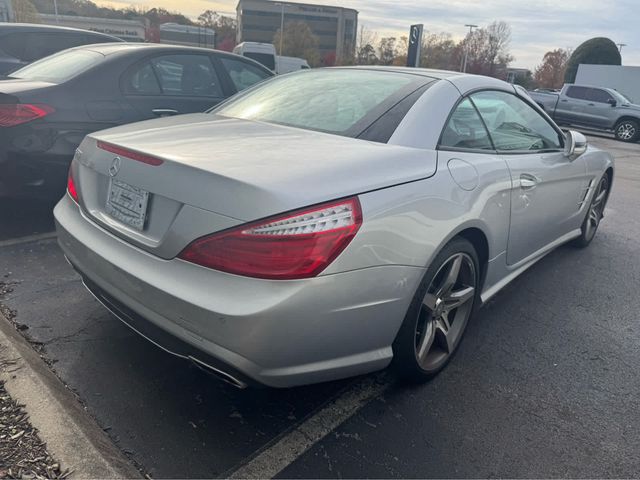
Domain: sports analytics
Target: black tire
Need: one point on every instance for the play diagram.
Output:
(627, 130)
(594, 214)
(422, 321)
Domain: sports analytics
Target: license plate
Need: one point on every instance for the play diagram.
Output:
(127, 204)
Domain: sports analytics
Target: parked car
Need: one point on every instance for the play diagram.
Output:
(593, 107)
(328, 222)
(48, 107)
(23, 43)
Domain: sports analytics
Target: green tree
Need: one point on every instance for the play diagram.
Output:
(25, 12)
(596, 51)
(299, 41)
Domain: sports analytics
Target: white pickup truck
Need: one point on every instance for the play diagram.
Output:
(592, 107)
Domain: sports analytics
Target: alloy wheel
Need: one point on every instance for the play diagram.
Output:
(445, 310)
(626, 131)
(596, 210)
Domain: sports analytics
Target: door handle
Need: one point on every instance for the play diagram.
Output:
(591, 104)
(564, 101)
(164, 112)
(528, 182)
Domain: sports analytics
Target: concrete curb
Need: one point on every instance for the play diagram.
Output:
(72, 436)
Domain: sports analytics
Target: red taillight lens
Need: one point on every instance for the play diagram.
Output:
(296, 245)
(71, 187)
(125, 152)
(17, 114)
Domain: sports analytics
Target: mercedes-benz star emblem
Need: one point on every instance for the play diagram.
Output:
(115, 166)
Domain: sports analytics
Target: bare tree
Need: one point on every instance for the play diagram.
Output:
(365, 49)
(225, 28)
(299, 41)
(439, 51)
(550, 73)
(488, 50)
(25, 12)
(498, 43)
(388, 50)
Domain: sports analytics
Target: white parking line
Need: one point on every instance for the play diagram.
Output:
(282, 452)
(27, 239)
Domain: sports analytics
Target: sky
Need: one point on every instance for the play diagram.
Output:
(537, 25)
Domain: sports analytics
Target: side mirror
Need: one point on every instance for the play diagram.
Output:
(575, 144)
(612, 102)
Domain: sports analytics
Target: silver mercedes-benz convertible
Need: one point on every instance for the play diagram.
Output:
(327, 223)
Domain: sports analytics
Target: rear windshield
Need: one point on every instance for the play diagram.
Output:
(59, 67)
(336, 101)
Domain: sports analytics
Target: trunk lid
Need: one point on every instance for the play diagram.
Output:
(218, 172)
(12, 86)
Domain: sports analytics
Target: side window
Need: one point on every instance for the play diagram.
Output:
(243, 74)
(40, 45)
(579, 93)
(142, 81)
(13, 44)
(187, 75)
(514, 125)
(90, 39)
(598, 95)
(465, 129)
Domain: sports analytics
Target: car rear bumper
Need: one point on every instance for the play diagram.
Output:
(277, 333)
(38, 175)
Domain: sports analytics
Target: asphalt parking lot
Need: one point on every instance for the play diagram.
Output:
(544, 385)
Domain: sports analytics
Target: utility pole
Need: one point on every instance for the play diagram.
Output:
(55, 9)
(466, 50)
(281, 25)
(620, 45)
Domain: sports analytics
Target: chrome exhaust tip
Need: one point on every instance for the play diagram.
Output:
(219, 374)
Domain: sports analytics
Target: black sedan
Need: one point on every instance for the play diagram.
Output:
(47, 108)
(23, 43)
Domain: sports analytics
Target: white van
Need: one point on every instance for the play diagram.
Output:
(290, 64)
(265, 53)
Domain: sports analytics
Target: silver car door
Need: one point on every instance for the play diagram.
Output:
(547, 186)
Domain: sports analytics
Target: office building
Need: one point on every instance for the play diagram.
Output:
(335, 27)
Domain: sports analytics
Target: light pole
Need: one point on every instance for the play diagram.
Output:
(620, 45)
(466, 50)
(281, 25)
(55, 9)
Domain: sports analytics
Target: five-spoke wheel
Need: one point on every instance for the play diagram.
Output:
(594, 213)
(440, 311)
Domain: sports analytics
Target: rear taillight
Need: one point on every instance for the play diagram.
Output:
(71, 187)
(17, 114)
(296, 245)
